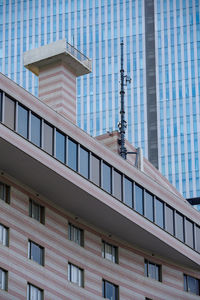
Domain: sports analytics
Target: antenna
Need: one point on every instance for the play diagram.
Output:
(123, 124)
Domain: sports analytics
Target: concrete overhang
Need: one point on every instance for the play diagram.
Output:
(58, 187)
(35, 59)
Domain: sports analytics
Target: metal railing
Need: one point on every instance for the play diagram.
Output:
(78, 55)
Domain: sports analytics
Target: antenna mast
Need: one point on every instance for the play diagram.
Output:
(123, 124)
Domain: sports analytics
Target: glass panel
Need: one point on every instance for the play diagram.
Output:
(179, 227)
(189, 233)
(110, 291)
(36, 130)
(139, 206)
(159, 213)
(198, 238)
(117, 185)
(2, 279)
(60, 146)
(48, 138)
(1, 96)
(9, 117)
(36, 253)
(149, 206)
(72, 154)
(169, 220)
(2, 191)
(22, 121)
(95, 176)
(193, 285)
(84, 162)
(106, 178)
(128, 192)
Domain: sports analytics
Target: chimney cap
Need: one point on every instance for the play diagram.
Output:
(34, 59)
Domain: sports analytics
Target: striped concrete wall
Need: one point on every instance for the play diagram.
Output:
(53, 236)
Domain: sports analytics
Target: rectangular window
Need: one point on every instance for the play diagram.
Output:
(139, 205)
(191, 284)
(198, 239)
(169, 219)
(95, 176)
(4, 192)
(75, 234)
(34, 293)
(128, 192)
(9, 114)
(152, 270)
(106, 180)
(1, 97)
(110, 291)
(149, 206)
(117, 184)
(36, 253)
(22, 121)
(159, 213)
(75, 274)
(109, 252)
(35, 130)
(189, 229)
(60, 147)
(3, 235)
(48, 138)
(72, 155)
(3, 280)
(36, 211)
(179, 227)
(84, 162)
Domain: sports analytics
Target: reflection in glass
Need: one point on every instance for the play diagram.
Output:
(128, 192)
(72, 154)
(149, 206)
(60, 146)
(139, 205)
(22, 121)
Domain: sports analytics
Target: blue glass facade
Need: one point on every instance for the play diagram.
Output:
(96, 28)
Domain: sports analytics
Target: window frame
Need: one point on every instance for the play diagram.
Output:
(6, 192)
(147, 263)
(116, 287)
(5, 272)
(42, 252)
(114, 252)
(41, 211)
(80, 273)
(5, 240)
(72, 227)
(186, 287)
(29, 285)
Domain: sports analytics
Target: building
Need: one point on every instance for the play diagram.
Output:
(78, 221)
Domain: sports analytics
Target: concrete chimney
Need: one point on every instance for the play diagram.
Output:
(57, 65)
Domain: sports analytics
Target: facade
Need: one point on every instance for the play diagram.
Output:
(162, 46)
(78, 221)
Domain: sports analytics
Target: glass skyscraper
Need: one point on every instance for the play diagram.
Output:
(161, 55)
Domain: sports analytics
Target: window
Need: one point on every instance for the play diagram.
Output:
(60, 147)
(35, 130)
(22, 121)
(179, 227)
(84, 162)
(191, 285)
(128, 192)
(48, 138)
(95, 176)
(117, 184)
(3, 235)
(34, 293)
(1, 96)
(152, 270)
(189, 229)
(169, 220)
(106, 180)
(110, 290)
(36, 253)
(109, 252)
(3, 279)
(75, 234)
(198, 239)
(36, 211)
(159, 213)
(139, 205)
(72, 155)
(9, 114)
(75, 274)
(149, 206)
(4, 192)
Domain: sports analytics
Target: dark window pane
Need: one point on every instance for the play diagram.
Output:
(48, 138)
(117, 185)
(189, 233)
(159, 213)
(22, 121)
(9, 117)
(2, 191)
(152, 270)
(198, 238)
(169, 220)
(95, 176)
(179, 227)
(191, 284)
(35, 130)
(36, 253)
(106, 178)
(60, 146)
(149, 206)
(1, 96)
(110, 291)
(128, 192)
(139, 205)
(72, 154)
(84, 162)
